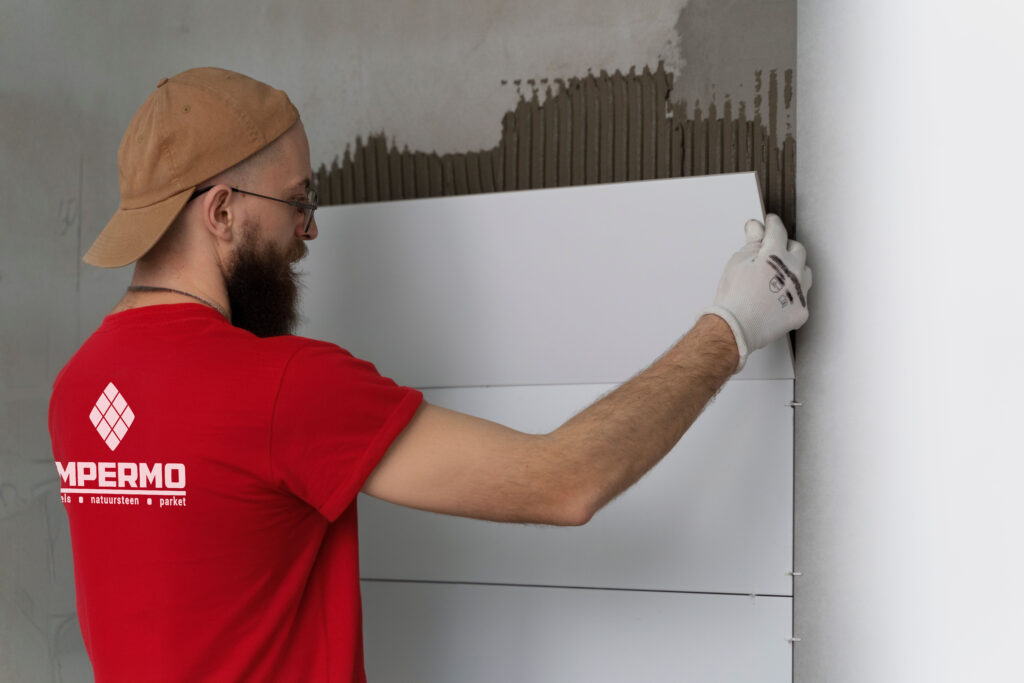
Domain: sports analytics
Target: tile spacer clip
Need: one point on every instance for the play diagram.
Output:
(793, 640)
(794, 404)
(795, 573)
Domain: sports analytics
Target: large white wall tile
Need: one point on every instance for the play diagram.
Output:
(715, 515)
(559, 286)
(452, 633)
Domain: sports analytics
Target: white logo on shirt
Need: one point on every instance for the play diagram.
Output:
(111, 416)
(124, 483)
(159, 484)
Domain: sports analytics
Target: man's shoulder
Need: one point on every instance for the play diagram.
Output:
(296, 356)
(289, 345)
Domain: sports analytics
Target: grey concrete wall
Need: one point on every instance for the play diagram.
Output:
(434, 75)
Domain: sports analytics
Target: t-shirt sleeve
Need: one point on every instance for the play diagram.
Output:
(333, 419)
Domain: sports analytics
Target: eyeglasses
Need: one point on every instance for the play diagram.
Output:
(307, 207)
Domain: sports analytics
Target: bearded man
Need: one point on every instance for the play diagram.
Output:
(210, 460)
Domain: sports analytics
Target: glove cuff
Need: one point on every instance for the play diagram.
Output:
(737, 331)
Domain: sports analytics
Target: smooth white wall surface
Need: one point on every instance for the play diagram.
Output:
(909, 512)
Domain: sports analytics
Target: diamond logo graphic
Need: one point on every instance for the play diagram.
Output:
(111, 416)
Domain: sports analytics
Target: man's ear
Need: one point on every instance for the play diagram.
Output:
(220, 213)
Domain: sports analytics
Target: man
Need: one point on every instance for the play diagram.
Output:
(210, 461)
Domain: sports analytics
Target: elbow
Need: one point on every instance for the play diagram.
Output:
(578, 511)
(567, 498)
(579, 518)
(560, 509)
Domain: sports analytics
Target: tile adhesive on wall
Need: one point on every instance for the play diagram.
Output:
(592, 129)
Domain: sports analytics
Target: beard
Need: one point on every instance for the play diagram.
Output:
(263, 287)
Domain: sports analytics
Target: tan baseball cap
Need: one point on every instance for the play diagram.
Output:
(192, 127)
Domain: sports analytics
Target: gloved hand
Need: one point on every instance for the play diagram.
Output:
(763, 292)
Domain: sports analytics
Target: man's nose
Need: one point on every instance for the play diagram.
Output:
(309, 234)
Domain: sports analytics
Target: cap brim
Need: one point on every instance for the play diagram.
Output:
(133, 232)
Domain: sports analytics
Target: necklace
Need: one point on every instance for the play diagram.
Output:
(148, 288)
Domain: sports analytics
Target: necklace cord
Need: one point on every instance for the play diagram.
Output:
(150, 288)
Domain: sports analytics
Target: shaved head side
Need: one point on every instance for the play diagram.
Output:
(249, 170)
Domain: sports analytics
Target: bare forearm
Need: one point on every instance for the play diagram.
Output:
(606, 448)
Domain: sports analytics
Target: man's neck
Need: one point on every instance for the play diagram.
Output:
(162, 285)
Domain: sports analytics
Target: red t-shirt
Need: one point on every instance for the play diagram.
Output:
(210, 481)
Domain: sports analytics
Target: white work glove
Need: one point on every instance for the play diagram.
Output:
(763, 291)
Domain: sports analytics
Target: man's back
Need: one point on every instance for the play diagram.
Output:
(210, 477)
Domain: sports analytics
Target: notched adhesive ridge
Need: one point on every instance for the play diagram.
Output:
(590, 129)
